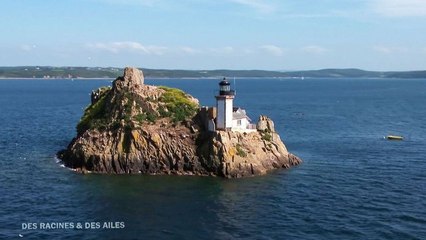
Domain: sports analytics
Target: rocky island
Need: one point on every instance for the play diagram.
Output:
(134, 128)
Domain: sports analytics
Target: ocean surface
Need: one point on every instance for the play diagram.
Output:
(353, 184)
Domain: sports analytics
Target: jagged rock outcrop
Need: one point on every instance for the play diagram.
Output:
(236, 154)
(136, 128)
(265, 124)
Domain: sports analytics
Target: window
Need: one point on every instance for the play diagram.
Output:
(239, 122)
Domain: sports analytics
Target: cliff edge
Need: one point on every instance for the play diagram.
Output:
(136, 128)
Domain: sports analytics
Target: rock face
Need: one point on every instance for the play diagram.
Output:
(137, 128)
(236, 154)
(132, 79)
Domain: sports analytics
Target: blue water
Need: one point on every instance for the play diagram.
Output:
(353, 184)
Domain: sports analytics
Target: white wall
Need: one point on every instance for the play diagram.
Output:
(224, 112)
(228, 117)
(244, 123)
(220, 119)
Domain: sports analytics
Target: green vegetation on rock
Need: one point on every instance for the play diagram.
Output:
(179, 106)
(267, 136)
(142, 117)
(240, 151)
(95, 115)
(174, 103)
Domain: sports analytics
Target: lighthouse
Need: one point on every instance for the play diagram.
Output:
(224, 106)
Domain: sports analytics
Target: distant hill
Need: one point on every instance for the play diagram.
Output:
(102, 72)
(339, 73)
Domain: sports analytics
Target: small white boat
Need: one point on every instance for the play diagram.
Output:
(394, 137)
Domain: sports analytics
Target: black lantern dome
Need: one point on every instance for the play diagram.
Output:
(225, 88)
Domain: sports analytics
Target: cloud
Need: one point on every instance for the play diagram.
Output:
(258, 5)
(222, 50)
(128, 46)
(148, 3)
(382, 49)
(314, 49)
(27, 48)
(400, 8)
(389, 50)
(189, 50)
(273, 50)
(117, 47)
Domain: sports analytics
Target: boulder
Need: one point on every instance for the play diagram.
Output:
(265, 124)
(132, 79)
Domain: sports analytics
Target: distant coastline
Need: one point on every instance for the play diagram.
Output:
(48, 72)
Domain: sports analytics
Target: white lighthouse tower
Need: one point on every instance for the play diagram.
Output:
(224, 105)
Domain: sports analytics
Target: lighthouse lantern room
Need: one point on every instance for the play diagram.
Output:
(224, 105)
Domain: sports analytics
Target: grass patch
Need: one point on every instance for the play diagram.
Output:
(142, 117)
(163, 112)
(240, 151)
(267, 136)
(151, 117)
(179, 106)
(95, 115)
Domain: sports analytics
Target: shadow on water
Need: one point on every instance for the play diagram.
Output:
(178, 206)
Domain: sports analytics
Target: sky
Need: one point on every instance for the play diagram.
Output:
(383, 35)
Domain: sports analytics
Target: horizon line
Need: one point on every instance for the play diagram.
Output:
(216, 69)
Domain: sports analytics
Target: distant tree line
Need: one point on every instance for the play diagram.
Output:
(111, 72)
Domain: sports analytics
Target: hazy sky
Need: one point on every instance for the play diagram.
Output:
(215, 34)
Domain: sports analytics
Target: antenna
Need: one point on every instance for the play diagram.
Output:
(235, 87)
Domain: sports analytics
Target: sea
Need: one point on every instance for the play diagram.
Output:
(352, 184)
